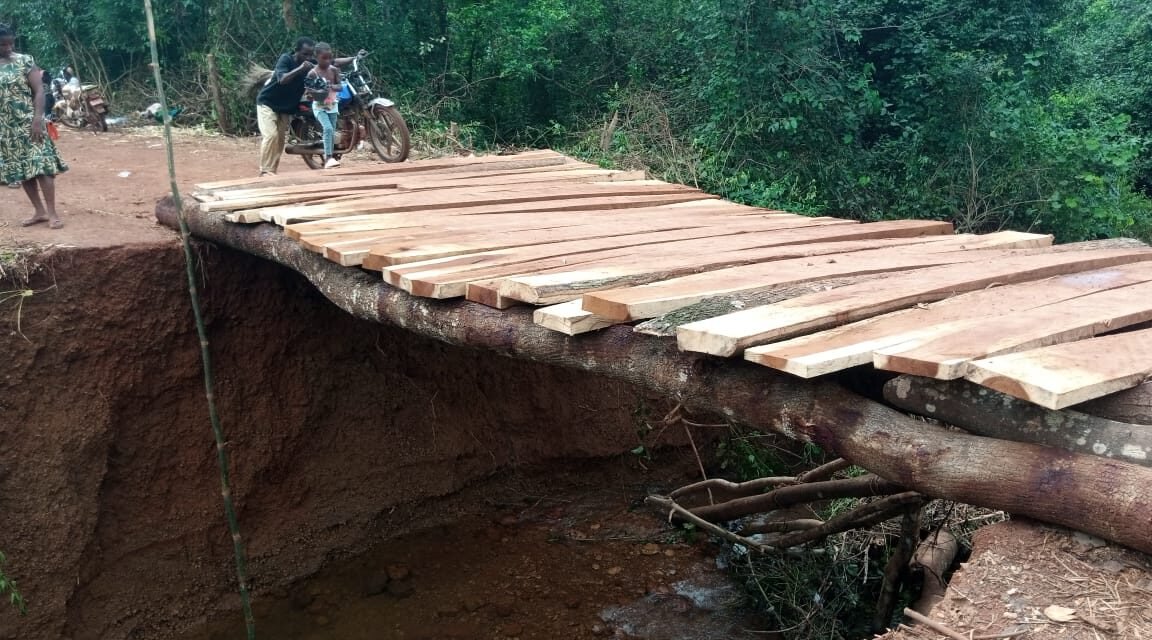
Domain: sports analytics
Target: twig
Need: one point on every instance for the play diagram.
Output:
(863, 516)
(935, 626)
(734, 489)
(699, 462)
(783, 526)
(824, 471)
(673, 508)
(861, 487)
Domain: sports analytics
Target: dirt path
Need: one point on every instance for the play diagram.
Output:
(114, 180)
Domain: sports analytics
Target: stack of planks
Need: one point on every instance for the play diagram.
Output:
(805, 295)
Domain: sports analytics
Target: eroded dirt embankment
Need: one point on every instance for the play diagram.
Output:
(109, 495)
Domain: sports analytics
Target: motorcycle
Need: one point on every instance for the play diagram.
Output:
(363, 116)
(78, 105)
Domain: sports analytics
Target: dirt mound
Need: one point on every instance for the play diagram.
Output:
(109, 498)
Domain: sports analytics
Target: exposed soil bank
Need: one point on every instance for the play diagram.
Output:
(339, 429)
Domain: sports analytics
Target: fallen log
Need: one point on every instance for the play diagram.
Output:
(1104, 497)
(933, 557)
(1131, 405)
(990, 413)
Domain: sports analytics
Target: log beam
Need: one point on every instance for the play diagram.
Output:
(993, 414)
(1101, 496)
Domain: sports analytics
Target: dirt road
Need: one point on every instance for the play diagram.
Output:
(114, 180)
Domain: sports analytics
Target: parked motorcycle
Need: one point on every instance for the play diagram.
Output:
(363, 116)
(78, 105)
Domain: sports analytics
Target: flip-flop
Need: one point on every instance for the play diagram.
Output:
(31, 221)
(56, 224)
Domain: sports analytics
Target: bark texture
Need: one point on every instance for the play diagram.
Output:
(1132, 405)
(1101, 496)
(989, 413)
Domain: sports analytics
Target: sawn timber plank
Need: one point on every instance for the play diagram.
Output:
(730, 334)
(1064, 375)
(536, 158)
(568, 318)
(447, 277)
(444, 191)
(404, 180)
(947, 356)
(485, 293)
(320, 193)
(542, 213)
(474, 197)
(853, 344)
(659, 298)
(560, 284)
(450, 241)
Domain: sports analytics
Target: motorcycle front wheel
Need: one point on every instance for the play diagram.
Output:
(389, 134)
(73, 121)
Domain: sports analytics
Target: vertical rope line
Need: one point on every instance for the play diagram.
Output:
(202, 332)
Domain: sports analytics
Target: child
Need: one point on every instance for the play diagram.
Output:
(323, 85)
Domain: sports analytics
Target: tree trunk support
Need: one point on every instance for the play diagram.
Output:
(1101, 496)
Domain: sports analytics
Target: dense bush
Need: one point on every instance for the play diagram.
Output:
(992, 114)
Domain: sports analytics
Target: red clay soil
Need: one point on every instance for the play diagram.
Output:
(342, 433)
(1031, 580)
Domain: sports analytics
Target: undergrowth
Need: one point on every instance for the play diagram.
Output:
(828, 590)
(8, 588)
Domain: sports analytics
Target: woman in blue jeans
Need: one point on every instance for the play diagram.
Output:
(324, 88)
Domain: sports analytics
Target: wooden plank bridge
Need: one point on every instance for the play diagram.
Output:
(593, 248)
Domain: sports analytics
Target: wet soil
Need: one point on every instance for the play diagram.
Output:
(563, 564)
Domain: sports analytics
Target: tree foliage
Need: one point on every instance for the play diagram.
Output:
(992, 114)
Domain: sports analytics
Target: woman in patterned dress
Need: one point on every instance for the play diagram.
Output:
(27, 154)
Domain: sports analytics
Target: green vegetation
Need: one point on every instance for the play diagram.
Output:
(1029, 116)
(8, 588)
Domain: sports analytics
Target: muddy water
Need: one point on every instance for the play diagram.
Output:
(587, 566)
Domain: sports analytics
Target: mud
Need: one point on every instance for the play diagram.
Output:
(342, 434)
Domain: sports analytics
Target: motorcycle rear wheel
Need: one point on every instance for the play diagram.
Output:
(97, 120)
(389, 134)
(309, 132)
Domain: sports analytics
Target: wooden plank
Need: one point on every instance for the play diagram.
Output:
(548, 287)
(1063, 375)
(568, 318)
(946, 355)
(446, 277)
(319, 194)
(394, 250)
(728, 335)
(367, 218)
(477, 197)
(659, 298)
(383, 187)
(356, 185)
(469, 234)
(446, 241)
(540, 213)
(576, 175)
(665, 326)
(523, 160)
(486, 294)
(419, 180)
(853, 344)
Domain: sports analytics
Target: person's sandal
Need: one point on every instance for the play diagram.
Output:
(56, 224)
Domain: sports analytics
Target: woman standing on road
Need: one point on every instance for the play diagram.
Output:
(27, 154)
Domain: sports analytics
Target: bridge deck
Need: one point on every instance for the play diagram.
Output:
(807, 295)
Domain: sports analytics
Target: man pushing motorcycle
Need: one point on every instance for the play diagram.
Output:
(280, 98)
